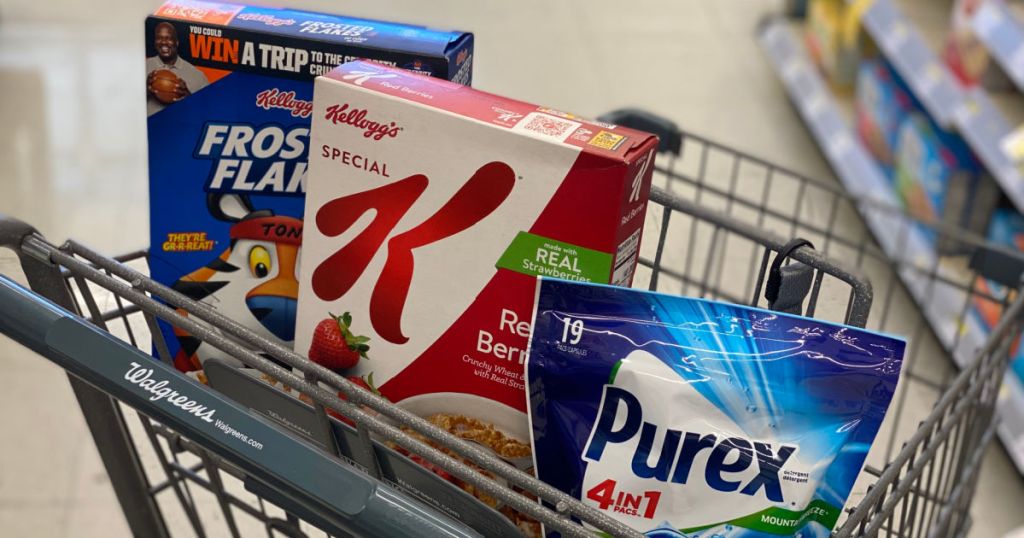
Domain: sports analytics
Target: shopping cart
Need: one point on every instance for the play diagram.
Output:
(721, 224)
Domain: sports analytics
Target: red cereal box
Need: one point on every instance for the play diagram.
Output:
(431, 209)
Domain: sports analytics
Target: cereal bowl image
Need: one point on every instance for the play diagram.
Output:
(468, 413)
(493, 425)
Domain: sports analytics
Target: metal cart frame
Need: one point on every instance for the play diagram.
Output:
(924, 489)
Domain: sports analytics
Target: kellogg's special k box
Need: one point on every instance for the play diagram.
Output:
(431, 210)
(229, 93)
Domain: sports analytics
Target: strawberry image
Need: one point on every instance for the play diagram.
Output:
(334, 346)
(365, 384)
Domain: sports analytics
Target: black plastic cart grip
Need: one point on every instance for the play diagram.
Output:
(787, 286)
(670, 138)
(1004, 267)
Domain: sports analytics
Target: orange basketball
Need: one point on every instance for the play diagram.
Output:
(165, 86)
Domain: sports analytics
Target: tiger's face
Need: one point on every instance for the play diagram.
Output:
(263, 292)
(254, 282)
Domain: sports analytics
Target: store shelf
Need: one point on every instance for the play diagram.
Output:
(1003, 35)
(863, 178)
(970, 112)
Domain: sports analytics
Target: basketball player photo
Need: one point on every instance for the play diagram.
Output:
(169, 77)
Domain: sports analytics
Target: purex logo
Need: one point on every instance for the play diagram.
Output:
(476, 199)
(356, 117)
(275, 98)
(679, 450)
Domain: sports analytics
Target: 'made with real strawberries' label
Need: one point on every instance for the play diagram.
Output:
(229, 99)
(431, 209)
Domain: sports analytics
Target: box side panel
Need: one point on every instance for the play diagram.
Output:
(634, 197)
(460, 60)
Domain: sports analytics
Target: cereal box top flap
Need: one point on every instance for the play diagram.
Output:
(613, 141)
(308, 25)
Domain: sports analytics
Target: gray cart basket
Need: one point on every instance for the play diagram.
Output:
(719, 225)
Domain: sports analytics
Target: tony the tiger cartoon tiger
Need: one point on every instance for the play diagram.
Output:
(254, 281)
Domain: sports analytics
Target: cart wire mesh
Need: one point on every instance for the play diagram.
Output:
(917, 486)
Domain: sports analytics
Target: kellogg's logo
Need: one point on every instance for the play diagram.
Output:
(509, 117)
(275, 98)
(212, 13)
(356, 117)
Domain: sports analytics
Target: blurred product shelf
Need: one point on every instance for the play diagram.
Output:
(1003, 35)
(971, 112)
(822, 112)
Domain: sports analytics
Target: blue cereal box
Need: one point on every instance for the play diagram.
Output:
(883, 102)
(1007, 230)
(229, 93)
(939, 180)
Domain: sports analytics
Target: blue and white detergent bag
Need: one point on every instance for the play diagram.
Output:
(686, 417)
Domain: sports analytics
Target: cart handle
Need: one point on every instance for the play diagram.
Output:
(342, 498)
(670, 137)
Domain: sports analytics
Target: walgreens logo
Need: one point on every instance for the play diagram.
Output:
(356, 117)
(275, 98)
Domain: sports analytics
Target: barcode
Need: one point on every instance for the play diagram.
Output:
(625, 256)
(627, 248)
(464, 72)
(623, 275)
(548, 126)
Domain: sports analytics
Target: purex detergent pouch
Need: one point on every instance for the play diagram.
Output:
(687, 417)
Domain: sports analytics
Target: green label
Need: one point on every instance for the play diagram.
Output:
(782, 521)
(539, 256)
(777, 520)
(615, 371)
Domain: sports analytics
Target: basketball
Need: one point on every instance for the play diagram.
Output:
(165, 86)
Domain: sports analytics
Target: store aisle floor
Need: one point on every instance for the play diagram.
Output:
(74, 153)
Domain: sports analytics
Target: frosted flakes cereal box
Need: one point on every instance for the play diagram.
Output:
(229, 92)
